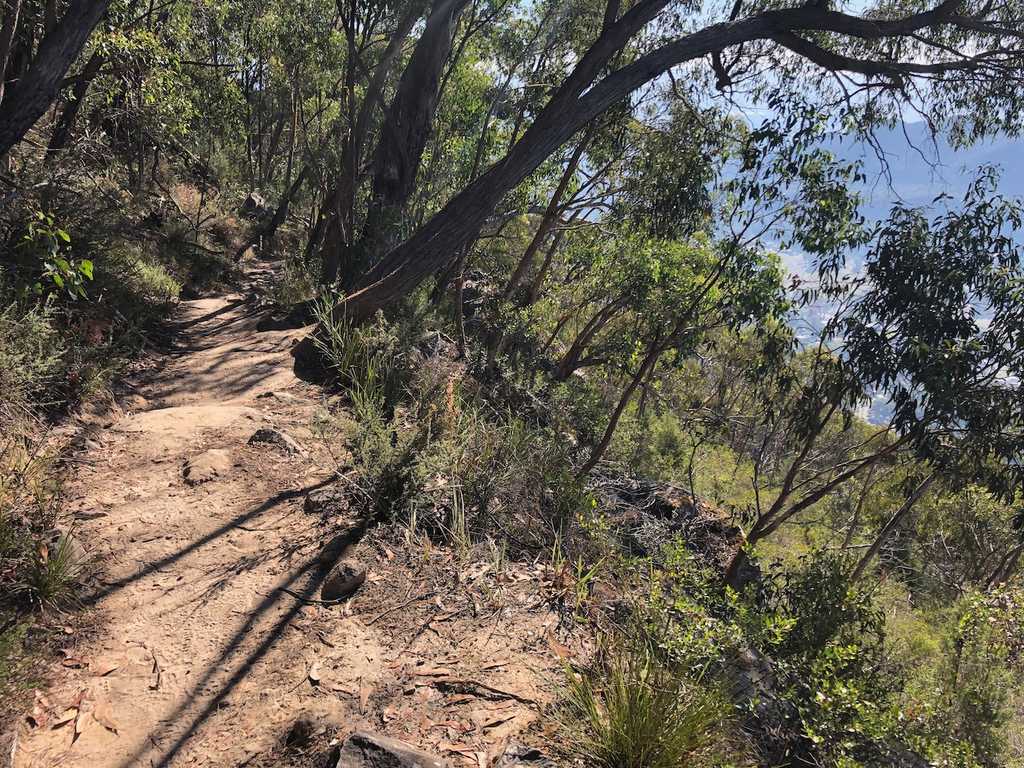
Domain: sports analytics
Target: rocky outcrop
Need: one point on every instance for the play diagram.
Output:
(647, 514)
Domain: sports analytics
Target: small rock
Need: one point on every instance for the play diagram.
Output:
(278, 439)
(521, 756)
(335, 548)
(327, 501)
(215, 462)
(371, 750)
(284, 397)
(343, 580)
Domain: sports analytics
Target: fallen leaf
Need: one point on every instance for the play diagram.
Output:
(79, 722)
(561, 651)
(459, 749)
(315, 672)
(102, 714)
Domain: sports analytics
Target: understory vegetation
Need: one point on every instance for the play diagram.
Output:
(580, 308)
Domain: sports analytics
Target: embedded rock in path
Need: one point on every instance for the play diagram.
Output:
(215, 462)
(327, 501)
(277, 438)
(371, 750)
(343, 580)
(284, 397)
(301, 733)
(521, 756)
(333, 550)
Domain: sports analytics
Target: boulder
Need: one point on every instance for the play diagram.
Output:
(343, 580)
(215, 462)
(278, 439)
(371, 750)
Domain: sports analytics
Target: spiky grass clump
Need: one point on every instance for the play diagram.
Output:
(53, 577)
(633, 710)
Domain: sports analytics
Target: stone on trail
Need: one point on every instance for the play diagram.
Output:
(215, 462)
(284, 397)
(343, 580)
(326, 501)
(301, 733)
(336, 546)
(371, 750)
(278, 439)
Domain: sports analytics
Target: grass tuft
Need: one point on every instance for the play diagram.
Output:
(633, 710)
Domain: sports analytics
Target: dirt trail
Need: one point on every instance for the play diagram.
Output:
(196, 656)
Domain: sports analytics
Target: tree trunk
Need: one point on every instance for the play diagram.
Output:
(645, 369)
(577, 101)
(533, 292)
(405, 130)
(37, 88)
(337, 214)
(7, 30)
(570, 360)
(889, 527)
(66, 123)
(1007, 565)
(549, 218)
(268, 230)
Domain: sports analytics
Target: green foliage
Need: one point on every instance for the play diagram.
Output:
(961, 704)
(46, 243)
(858, 693)
(369, 360)
(635, 710)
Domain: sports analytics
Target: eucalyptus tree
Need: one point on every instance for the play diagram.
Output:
(37, 47)
(956, 61)
(934, 327)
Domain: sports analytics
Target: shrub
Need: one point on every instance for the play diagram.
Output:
(52, 578)
(30, 352)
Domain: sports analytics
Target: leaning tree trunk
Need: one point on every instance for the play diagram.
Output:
(889, 527)
(7, 30)
(66, 122)
(576, 103)
(29, 98)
